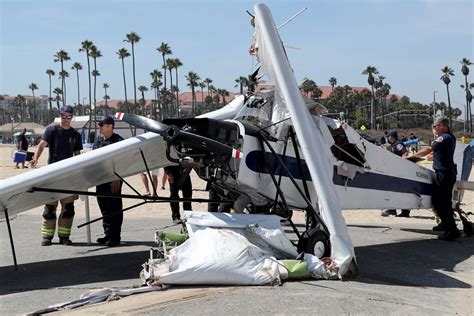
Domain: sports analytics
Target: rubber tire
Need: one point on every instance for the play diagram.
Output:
(318, 243)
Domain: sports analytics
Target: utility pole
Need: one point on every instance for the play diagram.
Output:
(434, 104)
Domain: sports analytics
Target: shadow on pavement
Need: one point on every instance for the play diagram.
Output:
(415, 263)
(408, 263)
(71, 272)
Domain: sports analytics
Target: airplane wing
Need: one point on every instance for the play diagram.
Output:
(270, 52)
(82, 172)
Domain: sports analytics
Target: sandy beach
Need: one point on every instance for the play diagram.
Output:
(404, 269)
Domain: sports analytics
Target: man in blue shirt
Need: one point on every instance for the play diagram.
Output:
(445, 169)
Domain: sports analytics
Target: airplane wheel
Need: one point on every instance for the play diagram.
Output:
(318, 243)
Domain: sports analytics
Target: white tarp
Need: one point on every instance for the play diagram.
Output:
(230, 249)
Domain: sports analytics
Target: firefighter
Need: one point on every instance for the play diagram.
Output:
(63, 142)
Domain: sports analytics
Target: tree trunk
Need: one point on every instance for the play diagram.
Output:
(90, 95)
(78, 90)
(134, 81)
(449, 108)
(372, 109)
(50, 102)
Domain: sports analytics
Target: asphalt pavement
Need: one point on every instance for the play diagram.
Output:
(403, 270)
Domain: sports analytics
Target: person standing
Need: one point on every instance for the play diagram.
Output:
(398, 148)
(178, 181)
(110, 207)
(63, 142)
(154, 176)
(22, 145)
(445, 176)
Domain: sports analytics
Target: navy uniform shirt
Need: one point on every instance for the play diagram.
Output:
(101, 141)
(62, 143)
(398, 148)
(443, 149)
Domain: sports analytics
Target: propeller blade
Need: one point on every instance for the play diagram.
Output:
(147, 124)
(173, 134)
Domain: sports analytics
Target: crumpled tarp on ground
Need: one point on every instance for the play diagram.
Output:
(233, 249)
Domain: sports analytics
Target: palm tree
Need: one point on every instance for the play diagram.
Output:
(447, 72)
(156, 76)
(170, 66)
(58, 92)
(143, 89)
(202, 85)
(223, 93)
(385, 91)
(208, 81)
(193, 79)
(106, 97)
(133, 38)
(50, 73)
(308, 86)
(242, 82)
(123, 53)
(19, 101)
(33, 87)
(332, 82)
(95, 53)
(465, 71)
(164, 49)
(77, 66)
(177, 64)
(63, 75)
(86, 46)
(371, 71)
(62, 56)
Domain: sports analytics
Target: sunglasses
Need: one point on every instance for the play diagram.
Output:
(434, 126)
(64, 117)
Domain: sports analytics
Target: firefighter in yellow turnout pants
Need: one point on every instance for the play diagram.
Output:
(63, 142)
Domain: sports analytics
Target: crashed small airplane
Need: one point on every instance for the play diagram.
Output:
(267, 152)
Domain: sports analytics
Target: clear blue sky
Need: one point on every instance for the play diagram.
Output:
(409, 41)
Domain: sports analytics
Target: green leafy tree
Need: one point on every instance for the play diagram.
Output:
(177, 63)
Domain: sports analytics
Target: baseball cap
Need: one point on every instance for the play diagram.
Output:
(107, 120)
(67, 109)
(392, 133)
(441, 120)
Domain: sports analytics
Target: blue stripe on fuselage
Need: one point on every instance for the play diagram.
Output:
(255, 161)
